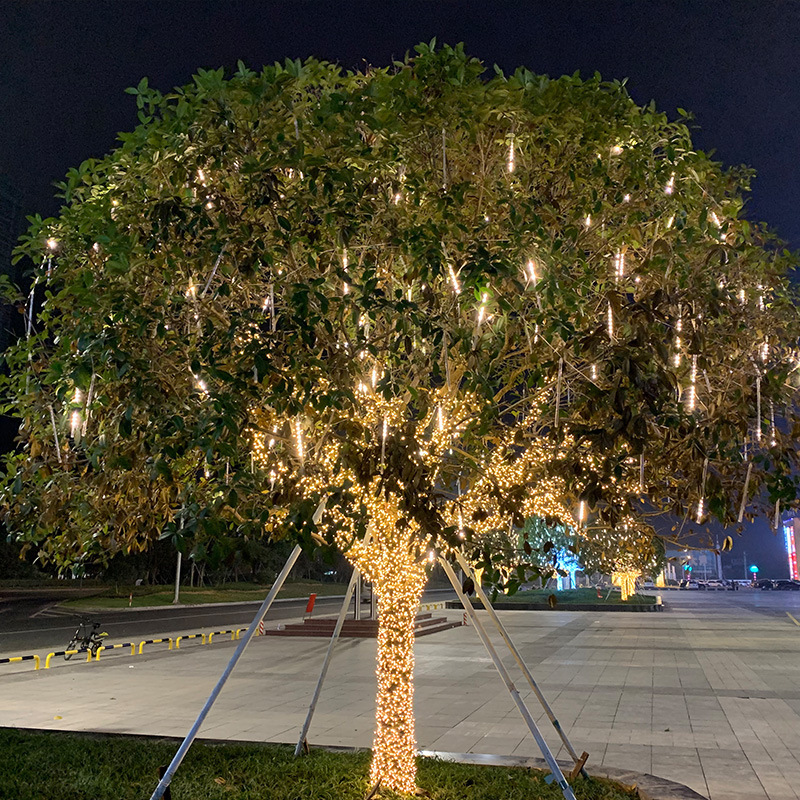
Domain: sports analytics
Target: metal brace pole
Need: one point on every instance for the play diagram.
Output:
(190, 737)
(355, 577)
(558, 775)
(464, 564)
(357, 607)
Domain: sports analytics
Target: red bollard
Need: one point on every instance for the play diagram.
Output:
(310, 606)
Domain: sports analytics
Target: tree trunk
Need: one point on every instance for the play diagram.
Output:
(394, 746)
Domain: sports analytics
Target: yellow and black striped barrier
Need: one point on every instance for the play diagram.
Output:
(156, 641)
(16, 659)
(64, 653)
(189, 636)
(221, 633)
(115, 647)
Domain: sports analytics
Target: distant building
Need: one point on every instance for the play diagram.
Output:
(10, 219)
(791, 536)
(698, 565)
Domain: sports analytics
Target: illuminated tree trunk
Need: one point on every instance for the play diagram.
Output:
(394, 745)
(391, 559)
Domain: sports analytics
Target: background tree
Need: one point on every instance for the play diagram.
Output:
(397, 310)
(552, 550)
(626, 554)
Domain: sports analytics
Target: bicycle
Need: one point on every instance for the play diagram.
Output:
(85, 639)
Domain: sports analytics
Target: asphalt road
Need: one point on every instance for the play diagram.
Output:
(30, 624)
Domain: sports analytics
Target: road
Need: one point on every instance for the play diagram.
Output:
(30, 624)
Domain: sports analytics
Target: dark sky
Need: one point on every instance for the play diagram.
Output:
(734, 64)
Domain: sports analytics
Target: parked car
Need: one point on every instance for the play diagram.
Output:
(765, 584)
(685, 584)
(715, 585)
(787, 585)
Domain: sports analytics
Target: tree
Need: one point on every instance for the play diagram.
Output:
(626, 554)
(397, 311)
(552, 550)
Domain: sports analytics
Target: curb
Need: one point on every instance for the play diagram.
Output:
(234, 603)
(646, 786)
(184, 606)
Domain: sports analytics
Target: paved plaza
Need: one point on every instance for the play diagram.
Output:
(706, 693)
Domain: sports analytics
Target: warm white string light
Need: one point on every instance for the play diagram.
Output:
(691, 395)
(299, 438)
(619, 265)
(773, 439)
(676, 359)
(454, 279)
(758, 408)
(482, 309)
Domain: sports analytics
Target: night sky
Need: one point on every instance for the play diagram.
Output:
(734, 65)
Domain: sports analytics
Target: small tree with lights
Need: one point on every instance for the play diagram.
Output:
(396, 311)
(554, 550)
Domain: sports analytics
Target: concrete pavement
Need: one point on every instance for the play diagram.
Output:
(706, 693)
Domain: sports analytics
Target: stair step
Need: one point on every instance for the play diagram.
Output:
(424, 625)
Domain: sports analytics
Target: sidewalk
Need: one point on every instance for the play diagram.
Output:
(706, 693)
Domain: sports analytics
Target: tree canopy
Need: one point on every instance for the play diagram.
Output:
(341, 264)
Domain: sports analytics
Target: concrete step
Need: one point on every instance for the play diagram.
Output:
(424, 625)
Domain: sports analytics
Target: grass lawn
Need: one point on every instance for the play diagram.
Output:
(569, 596)
(55, 766)
(144, 596)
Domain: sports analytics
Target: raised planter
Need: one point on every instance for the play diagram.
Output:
(511, 606)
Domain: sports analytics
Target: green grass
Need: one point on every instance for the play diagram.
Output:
(56, 766)
(569, 596)
(144, 596)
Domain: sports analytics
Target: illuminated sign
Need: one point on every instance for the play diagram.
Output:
(791, 548)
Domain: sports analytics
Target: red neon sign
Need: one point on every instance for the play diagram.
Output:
(791, 549)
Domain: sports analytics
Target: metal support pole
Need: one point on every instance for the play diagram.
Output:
(464, 564)
(357, 609)
(354, 578)
(245, 640)
(558, 775)
(176, 599)
(373, 602)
